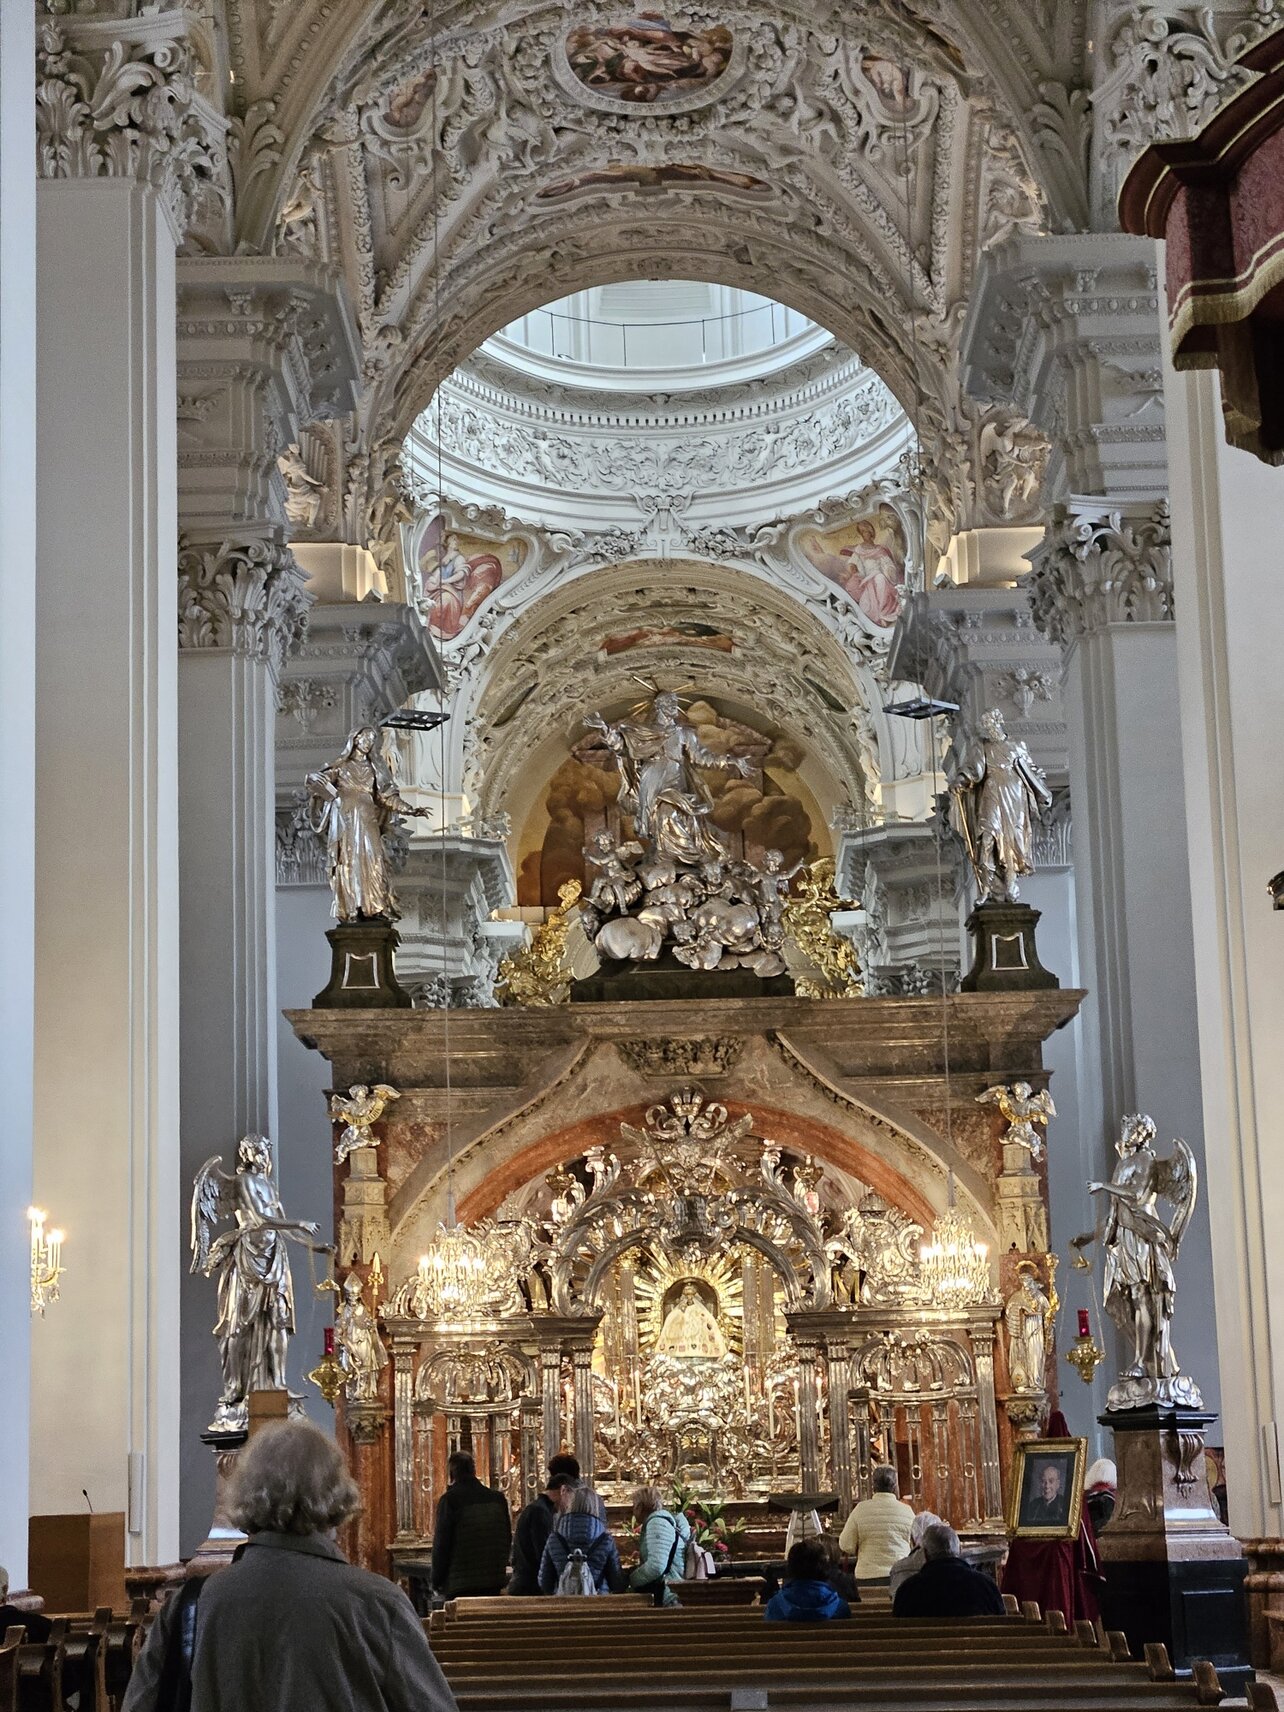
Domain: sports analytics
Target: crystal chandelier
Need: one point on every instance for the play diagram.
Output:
(454, 1276)
(955, 1266)
(46, 1261)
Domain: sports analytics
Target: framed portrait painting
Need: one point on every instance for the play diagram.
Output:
(1045, 1500)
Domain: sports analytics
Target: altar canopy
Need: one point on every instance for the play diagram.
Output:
(702, 1261)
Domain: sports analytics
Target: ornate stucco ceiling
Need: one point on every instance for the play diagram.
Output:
(851, 158)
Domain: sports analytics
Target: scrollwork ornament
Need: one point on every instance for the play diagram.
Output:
(249, 596)
(1099, 566)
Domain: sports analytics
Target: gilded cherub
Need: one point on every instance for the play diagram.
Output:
(358, 1110)
(1025, 1111)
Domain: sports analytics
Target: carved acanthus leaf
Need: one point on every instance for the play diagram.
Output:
(246, 595)
(1098, 566)
(117, 99)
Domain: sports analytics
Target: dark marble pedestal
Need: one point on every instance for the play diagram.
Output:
(363, 973)
(1174, 1572)
(1005, 957)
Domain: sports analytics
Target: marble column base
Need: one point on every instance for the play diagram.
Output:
(363, 973)
(1005, 957)
(1174, 1571)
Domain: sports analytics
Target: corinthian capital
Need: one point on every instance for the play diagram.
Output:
(116, 98)
(1100, 565)
(248, 596)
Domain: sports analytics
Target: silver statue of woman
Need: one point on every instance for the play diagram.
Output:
(661, 789)
(1140, 1254)
(353, 800)
(255, 1290)
(994, 788)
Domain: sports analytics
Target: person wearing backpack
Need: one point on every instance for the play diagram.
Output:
(580, 1555)
(662, 1545)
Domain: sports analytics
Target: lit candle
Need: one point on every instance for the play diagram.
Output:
(1083, 1323)
(329, 1340)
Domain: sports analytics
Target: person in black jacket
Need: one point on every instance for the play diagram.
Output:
(946, 1586)
(534, 1525)
(472, 1534)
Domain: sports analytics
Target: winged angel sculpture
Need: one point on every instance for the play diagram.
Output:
(1140, 1254)
(255, 1290)
(358, 1111)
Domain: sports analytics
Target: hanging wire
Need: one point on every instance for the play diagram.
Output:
(448, 995)
(919, 489)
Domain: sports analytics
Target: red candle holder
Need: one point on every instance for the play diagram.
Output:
(329, 1337)
(1083, 1323)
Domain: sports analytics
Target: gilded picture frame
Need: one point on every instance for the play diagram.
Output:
(1045, 1494)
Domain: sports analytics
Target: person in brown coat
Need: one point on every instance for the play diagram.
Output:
(292, 1625)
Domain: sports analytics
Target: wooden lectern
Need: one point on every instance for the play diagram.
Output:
(77, 1562)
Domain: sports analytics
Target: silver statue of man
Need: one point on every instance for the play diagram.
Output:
(1141, 1250)
(994, 789)
(353, 800)
(661, 788)
(361, 1352)
(255, 1290)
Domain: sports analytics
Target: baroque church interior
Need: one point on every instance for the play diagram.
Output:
(647, 640)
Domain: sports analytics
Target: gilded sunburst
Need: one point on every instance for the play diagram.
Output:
(658, 1281)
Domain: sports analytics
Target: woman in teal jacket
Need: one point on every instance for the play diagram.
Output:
(662, 1546)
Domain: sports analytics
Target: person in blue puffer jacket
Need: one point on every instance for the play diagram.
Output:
(584, 1528)
(806, 1596)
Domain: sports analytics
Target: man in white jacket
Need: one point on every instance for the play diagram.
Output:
(877, 1533)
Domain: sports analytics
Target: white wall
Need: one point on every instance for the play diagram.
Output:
(17, 719)
(1228, 559)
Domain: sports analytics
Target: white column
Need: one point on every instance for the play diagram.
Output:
(246, 381)
(1227, 514)
(17, 718)
(1102, 588)
(105, 1367)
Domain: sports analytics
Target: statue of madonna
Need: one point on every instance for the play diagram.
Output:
(690, 1331)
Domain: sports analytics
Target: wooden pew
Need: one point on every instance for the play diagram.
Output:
(584, 1656)
(9, 1674)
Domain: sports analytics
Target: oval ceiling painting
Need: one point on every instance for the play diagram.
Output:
(647, 60)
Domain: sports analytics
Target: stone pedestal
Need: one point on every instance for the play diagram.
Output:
(363, 1229)
(1174, 1572)
(1005, 957)
(363, 973)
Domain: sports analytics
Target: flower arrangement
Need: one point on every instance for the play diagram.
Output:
(710, 1525)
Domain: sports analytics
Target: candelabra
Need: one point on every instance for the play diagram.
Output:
(46, 1261)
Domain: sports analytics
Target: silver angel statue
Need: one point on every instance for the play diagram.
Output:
(358, 1110)
(361, 1352)
(353, 799)
(994, 789)
(662, 790)
(255, 1290)
(1141, 1250)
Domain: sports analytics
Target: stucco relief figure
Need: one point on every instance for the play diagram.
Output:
(1141, 1251)
(353, 800)
(690, 1332)
(255, 1290)
(361, 1352)
(995, 788)
(616, 885)
(662, 788)
(1027, 1315)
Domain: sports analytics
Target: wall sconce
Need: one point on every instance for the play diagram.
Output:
(46, 1261)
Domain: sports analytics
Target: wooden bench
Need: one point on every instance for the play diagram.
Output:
(594, 1655)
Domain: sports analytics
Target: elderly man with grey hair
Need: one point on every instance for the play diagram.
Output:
(15, 1616)
(946, 1586)
(291, 1625)
(877, 1533)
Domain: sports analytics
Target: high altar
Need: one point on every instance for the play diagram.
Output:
(725, 1242)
